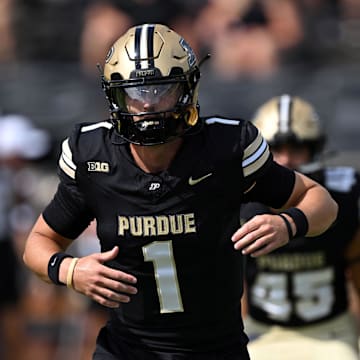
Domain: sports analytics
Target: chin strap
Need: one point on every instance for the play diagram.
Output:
(192, 116)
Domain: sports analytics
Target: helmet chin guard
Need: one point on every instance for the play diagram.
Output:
(157, 128)
(147, 63)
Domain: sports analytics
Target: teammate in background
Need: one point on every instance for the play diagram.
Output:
(165, 187)
(297, 298)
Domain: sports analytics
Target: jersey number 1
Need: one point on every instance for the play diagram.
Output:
(160, 253)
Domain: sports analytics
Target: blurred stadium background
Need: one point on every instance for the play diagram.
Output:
(49, 50)
(259, 49)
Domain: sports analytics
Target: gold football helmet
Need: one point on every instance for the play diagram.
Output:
(289, 119)
(148, 63)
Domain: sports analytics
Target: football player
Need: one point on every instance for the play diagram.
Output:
(297, 299)
(165, 186)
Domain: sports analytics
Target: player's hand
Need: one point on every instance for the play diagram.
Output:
(107, 286)
(261, 235)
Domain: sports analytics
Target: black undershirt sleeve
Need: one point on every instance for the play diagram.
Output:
(67, 213)
(274, 187)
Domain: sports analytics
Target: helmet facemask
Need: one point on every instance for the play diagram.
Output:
(162, 120)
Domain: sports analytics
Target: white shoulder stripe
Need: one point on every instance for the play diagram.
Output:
(67, 154)
(67, 170)
(255, 155)
(96, 126)
(66, 163)
(251, 150)
(260, 161)
(215, 120)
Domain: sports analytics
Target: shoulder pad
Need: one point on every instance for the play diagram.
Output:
(340, 178)
(77, 147)
(86, 127)
(219, 120)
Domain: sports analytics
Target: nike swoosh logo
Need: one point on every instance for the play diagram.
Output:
(53, 262)
(196, 181)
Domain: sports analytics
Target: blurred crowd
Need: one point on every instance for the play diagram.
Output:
(49, 51)
(37, 321)
(270, 32)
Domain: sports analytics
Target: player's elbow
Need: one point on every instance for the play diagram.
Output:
(334, 210)
(328, 218)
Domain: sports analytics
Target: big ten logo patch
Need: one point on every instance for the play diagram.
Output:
(98, 166)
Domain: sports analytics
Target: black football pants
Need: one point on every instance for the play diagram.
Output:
(126, 351)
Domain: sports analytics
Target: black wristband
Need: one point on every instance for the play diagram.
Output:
(54, 266)
(300, 220)
(288, 226)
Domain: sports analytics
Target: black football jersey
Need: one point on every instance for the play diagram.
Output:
(173, 228)
(304, 282)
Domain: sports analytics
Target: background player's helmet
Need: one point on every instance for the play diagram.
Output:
(291, 120)
(150, 61)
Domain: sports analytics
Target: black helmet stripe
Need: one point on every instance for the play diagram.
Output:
(285, 105)
(150, 46)
(137, 47)
(144, 46)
